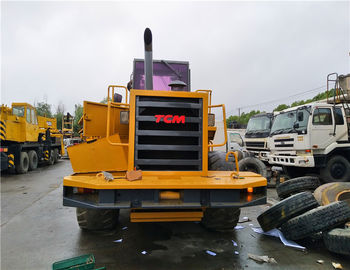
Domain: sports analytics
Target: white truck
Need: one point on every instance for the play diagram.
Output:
(315, 138)
(255, 138)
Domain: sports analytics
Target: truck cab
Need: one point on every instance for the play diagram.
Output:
(255, 138)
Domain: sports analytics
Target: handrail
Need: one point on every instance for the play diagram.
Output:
(109, 103)
(225, 128)
(236, 173)
(206, 91)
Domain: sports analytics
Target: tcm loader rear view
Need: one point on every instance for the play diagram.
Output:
(166, 136)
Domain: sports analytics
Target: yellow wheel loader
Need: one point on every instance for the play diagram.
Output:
(153, 154)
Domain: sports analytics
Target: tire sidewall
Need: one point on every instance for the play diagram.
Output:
(337, 166)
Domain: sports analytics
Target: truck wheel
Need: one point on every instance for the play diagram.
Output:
(51, 158)
(55, 155)
(23, 165)
(296, 185)
(220, 219)
(33, 160)
(336, 170)
(338, 241)
(252, 164)
(97, 219)
(333, 192)
(320, 219)
(291, 207)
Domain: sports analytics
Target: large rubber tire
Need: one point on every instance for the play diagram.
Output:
(23, 165)
(220, 219)
(97, 219)
(333, 192)
(338, 241)
(33, 160)
(291, 207)
(296, 185)
(217, 162)
(320, 219)
(51, 160)
(55, 155)
(253, 164)
(336, 170)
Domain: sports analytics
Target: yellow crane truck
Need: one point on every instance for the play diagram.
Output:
(154, 155)
(27, 138)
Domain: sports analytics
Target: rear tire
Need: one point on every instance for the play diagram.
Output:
(51, 158)
(252, 164)
(97, 219)
(23, 165)
(283, 211)
(55, 155)
(336, 170)
(220, 219)
(33, 160)
(338, 241)
(296, 185)
(320, 219)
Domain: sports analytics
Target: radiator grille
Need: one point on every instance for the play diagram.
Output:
(255, 144)
(168, 146)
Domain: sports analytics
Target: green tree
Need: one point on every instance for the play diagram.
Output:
(78, 113)
(43, 109)
(281, 107)
(59, 114)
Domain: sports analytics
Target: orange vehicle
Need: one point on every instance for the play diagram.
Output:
(153, 155)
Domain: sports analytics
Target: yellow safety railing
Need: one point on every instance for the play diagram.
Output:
(109, 104)
(236, 173)
(224, 120)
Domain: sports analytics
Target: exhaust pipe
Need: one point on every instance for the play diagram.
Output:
(148, 59)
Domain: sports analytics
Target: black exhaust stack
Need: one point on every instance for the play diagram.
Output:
(148, 59)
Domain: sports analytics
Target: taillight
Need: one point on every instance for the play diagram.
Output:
(3, 149)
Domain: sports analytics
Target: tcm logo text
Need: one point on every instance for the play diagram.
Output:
(170, 119)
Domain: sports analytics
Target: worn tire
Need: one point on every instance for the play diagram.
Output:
(23, 165)
(296, 185)
(220, 219)
(291, 207)
(51, 160)
(55, 155)
(334, 192)
(338, 241)
(336, 170)
(217, 162)
(33, 160)
(97, 219)
(318, 192)
(253, 164)
(320, 219)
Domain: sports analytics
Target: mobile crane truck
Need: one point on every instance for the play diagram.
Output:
(27, 139)
(164, 136)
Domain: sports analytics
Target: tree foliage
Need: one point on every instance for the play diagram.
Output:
(78, 113)
(43, 109)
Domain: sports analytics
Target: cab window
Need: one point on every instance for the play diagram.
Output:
(34, 119)
(322, 116)
(338, 115)
(28, 115)
(236, 138)
(18, 111)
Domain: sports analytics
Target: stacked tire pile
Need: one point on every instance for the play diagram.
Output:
(301, 213)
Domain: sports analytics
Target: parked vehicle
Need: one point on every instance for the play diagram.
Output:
(27, 139)
(314, 138)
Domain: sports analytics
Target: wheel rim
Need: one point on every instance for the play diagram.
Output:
(338, 170)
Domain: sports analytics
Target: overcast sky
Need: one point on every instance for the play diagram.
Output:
(247, 52)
